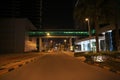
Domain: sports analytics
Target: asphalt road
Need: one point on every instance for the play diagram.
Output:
(58, 66)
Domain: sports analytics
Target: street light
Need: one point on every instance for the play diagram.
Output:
(48, 34)
(87, 19)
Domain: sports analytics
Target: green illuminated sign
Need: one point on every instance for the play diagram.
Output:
(60, 33)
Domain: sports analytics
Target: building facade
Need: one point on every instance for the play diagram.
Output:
(107, 42)
(14, 37)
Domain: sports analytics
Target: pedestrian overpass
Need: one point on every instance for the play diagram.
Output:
(58, 34)
(44, 33)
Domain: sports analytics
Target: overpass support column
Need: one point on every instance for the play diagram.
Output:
(70, 41)
(40, 44)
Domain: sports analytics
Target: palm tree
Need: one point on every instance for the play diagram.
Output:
(98, 11)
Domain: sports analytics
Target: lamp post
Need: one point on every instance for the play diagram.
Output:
(87, 19)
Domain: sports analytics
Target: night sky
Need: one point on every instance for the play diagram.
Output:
(58, 14)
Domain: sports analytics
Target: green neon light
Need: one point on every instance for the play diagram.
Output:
(60, 33)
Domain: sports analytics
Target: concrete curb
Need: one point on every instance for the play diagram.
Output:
(12, 66)
(68, 53)
(107, 68)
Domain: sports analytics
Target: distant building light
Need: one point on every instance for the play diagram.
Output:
(109, 31)
(103, 33)
(71, 48)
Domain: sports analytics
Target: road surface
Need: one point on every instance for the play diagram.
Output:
(59, 66)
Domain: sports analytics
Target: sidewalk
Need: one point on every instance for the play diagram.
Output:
(14, 57)
(10, 62)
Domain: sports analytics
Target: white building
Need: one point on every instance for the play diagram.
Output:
(106, 41)
(88, 44)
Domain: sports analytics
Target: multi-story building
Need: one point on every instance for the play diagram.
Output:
(18, 17)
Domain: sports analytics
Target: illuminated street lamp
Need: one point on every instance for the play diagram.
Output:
(48, 34)
(87, 19)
